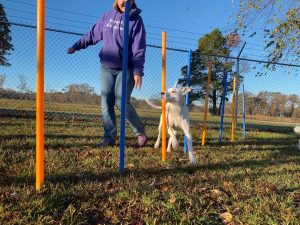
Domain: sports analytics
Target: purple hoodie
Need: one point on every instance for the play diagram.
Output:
(110, 30)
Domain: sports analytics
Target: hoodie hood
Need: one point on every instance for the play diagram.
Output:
(133, 12)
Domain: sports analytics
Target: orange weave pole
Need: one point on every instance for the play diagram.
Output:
(233, 109)
(40, 94)
(163, 101)
(206, 104)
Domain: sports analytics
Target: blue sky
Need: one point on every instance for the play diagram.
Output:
(184, 21)
(195, 16)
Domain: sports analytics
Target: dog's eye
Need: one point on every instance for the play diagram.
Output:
(173, 91)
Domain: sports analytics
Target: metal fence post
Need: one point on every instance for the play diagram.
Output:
(244, 114)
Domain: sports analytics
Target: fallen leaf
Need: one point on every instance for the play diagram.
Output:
(228, 184)
(216, 192)
(130, 166)
(164, 188)
(273, 188)
(200, 189)
(172, 200)
(226, 217)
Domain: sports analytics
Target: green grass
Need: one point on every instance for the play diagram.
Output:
(256, 181)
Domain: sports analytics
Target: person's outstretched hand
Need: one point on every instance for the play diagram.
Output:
(138, 81)
(71, 50)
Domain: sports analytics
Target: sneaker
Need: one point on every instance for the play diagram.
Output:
(105, 144)
(142, 140)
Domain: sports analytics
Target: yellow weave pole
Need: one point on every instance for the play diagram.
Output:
(40, 52)
(206, 104)
(163, 100)
(233, 109)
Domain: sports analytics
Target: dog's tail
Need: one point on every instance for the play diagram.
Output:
(152, 105)
(297, 129)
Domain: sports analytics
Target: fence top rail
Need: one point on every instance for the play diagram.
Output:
(172, 49)
(250, 60)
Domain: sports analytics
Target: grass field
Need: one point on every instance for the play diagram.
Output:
(252, 182)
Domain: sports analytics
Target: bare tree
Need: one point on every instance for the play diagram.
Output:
(280, 25)
(277, 103)
(22, 87)
(293, 102)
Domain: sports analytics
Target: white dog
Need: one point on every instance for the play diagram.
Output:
(177, 116)
(297, 131)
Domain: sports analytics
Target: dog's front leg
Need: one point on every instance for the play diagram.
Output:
(187, 133)
(169, 144)
(159, 134)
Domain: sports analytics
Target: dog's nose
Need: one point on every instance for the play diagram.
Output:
(163, 95)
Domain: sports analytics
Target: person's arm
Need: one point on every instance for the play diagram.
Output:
(90, 38)
(138, 47)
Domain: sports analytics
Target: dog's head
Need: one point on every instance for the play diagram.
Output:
(176, 94)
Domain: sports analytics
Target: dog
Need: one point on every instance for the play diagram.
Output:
(297, 131)
(177, 116)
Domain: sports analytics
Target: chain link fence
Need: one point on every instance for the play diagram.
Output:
(72, 90)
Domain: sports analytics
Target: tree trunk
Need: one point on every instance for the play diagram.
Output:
(220, 107)
(292, 110)
(214, 102)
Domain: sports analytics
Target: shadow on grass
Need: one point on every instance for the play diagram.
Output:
(213, 142)
(276, 158)
(67, 141)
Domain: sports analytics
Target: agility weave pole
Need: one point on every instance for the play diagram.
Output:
(124, 87)
(206, 104)
(163, 99)
(40, 52)
(223, 107)
(188, 80)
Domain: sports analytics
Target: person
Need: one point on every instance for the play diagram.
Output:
(110, 30)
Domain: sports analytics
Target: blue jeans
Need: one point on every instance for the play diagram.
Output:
(111, 95)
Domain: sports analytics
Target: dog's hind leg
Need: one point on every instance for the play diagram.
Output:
(159, 134)
(188, 135)
(175, 141)
(171, 137)
(190, 149)
(172, 140)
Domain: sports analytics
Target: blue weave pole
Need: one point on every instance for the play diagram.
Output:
(124, 86)
(223, 107)
(188, 81)
(244, 114)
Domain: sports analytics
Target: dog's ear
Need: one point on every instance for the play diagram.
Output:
(175, 85)
(186, 90)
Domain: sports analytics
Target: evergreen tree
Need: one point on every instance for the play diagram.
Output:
(209, 45)
(5, 38)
